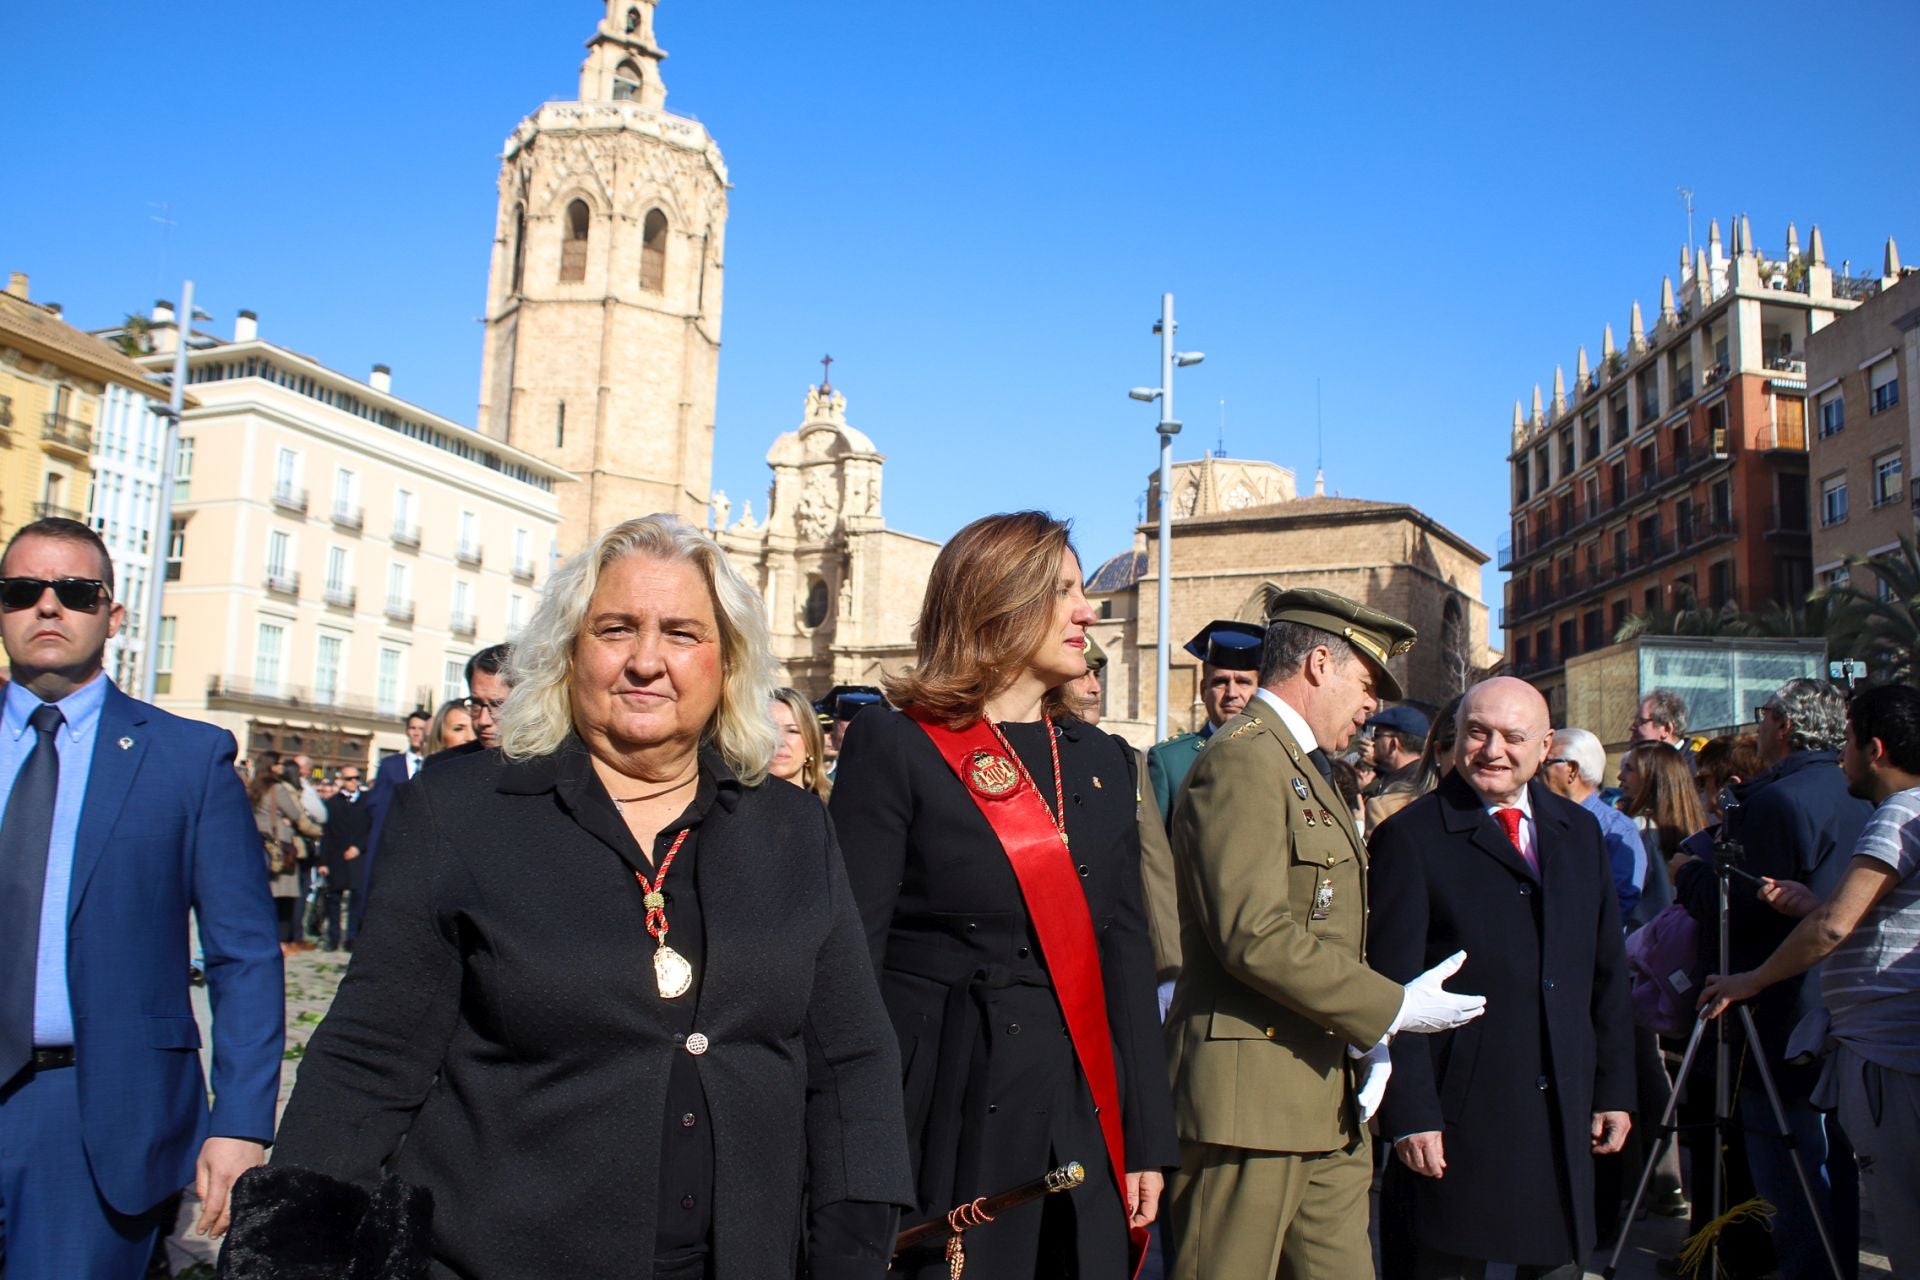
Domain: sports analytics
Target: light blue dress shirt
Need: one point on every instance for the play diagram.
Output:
(52, 1012)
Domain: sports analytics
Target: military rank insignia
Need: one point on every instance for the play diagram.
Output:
(1300, 787)
(1322, 901)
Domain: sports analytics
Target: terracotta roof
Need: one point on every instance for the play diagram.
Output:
(44, 335)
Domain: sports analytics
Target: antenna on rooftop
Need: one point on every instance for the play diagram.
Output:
(1221, 443)
(1686, 198)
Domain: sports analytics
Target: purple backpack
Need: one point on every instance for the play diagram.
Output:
(1662, 956)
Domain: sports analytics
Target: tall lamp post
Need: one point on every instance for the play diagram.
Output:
(1169, 427)
(163, 542)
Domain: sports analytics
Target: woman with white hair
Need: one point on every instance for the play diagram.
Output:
(615, 1011)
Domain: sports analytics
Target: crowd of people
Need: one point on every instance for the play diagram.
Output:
(660, 968)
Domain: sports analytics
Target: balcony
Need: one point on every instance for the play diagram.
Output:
(236, 689)
(68, 434)
(341, 597)
(288, 498)
(48, 511)
(524, 572)
(400, 611)
(464, 625)
(468, 555)
(6, 420)
(1547, 533)
(406, 535)
(347, 515)
(283, 583)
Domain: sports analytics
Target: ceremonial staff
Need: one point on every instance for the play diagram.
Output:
(983, 1210)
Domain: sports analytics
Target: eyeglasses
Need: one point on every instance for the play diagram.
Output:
(1561, 760)
(349, 777)
(1762, 712)
(82, 595)
(1637, 721)
(478, 706)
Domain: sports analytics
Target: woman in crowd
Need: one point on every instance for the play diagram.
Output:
(1662, 798)
(282, 821)
(615, 1012)
(994, 848)
(801, 756)
(452, 726)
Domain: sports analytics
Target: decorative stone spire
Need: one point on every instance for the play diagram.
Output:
(1320, 480)
(1891, 268)
(1582, 375)
(1607, 349)
(1702, 279)
(1539, 418)
(1793, 242)
(1636, 330)
(1667, 315)
(1816, 247)
(1519, 426)
(1713, 241)
(1746, 236)
(1559, 391)
(1685, 265)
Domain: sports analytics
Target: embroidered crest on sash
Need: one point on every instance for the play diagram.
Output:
(991, 774)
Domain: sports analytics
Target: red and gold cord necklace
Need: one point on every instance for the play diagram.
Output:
(671, 972)
(1059, 814)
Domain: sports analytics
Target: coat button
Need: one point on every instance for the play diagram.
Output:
(686, 1202)
(1025, 952)
(1085, 871)
(972, 927)
(1540, 1083)
(696, 1044)
(1547, 983)
(1271, 1033)
(993, 1108)
(1013, 1028)
(1525, 889)
(687, 1121)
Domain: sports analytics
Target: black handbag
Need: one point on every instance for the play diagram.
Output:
(297, 1224)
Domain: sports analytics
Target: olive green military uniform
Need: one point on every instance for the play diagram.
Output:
(1158, 891)
(1274, 987)
(1168, 766)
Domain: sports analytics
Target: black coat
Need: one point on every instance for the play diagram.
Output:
(994, 1095)
(498, 1041)
(1513, 1091)
(349, 826)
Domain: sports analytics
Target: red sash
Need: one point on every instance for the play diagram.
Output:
(1058, 906)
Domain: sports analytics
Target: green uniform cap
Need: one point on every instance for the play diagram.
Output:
(1373, 635)
(1096, 656)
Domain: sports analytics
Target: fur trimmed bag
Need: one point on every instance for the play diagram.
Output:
(296, 1224)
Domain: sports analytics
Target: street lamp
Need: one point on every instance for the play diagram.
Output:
(171, 415)
(1168, 427)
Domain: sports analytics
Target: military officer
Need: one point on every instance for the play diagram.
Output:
(1229, 654)
(1277, 1029)
(1085, 690)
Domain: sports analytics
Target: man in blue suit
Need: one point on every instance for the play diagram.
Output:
(119, 818)
(394, 772)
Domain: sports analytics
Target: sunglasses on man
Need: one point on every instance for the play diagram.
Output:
(82, 595)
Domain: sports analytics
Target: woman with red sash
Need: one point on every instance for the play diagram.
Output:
(992, 842)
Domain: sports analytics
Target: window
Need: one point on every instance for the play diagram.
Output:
(1720, 504)
(626, 81)
(387, 685)
(176, 548)
(453, 679)
(1833, 501)
(1883, 384)
(1838, 576)
(1521, 489)
(573, 251)
(163, 658)
(653, 252)
(1566, 452)
(516, 607)
(1886, 479)
(1617, 617)
(519, 246)
(346, 496)
(398, 584)
(463, 620)
(266, 658)
(279, 548)
(286, 474)
(1542, 468)
(1617, 416)
(405, 528)
(1592, 425)
(1720, 583)
(560, 424)
(182, 468)
(326, 670)
(1620, 480)
(1833, 414)
(522, 557)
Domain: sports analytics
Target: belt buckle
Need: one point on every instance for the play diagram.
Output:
(53, 1059)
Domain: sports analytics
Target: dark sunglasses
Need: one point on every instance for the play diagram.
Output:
(83, 595)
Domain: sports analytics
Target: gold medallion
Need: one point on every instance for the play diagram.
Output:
(991, 774)
(671, 972)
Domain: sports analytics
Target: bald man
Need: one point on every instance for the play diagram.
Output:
(1495, 1125)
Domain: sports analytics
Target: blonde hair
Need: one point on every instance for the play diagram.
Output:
(988, 605)
(813, 773)
(538, 714)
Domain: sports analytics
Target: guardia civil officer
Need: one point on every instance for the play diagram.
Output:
(1229, 654)
(1277, 1029)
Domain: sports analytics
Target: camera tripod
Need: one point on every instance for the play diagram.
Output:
(1726, 855)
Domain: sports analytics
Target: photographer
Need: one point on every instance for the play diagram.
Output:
(1795, 822)
(1870, 928)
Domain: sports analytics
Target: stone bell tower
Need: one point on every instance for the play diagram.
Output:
(603, 301)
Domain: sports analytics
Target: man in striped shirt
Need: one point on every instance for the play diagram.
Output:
(1868, 932)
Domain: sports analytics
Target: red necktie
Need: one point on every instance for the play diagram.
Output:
(1510, 819)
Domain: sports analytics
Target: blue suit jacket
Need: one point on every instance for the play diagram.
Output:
(166, 827)
(387, 781)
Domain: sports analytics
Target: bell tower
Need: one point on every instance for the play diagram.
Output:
(602, 340)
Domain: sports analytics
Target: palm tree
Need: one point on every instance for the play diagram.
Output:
(1691, 618)
(1880, 625)
(133, 337)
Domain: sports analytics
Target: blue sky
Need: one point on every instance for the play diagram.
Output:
(976, 207)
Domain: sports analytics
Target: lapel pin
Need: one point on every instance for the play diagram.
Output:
(126, 743)
(1300, 787)
(1096, 783)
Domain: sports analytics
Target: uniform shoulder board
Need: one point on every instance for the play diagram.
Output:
(1248, 727)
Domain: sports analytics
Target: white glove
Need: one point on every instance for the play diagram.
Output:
(1373, 1079)
(1429, 1006)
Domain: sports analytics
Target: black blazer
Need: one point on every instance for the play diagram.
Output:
(1549, 958)
(349, 826)
(993, 1092)
(497, 1038)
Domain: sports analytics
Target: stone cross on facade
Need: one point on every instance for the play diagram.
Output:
(826, 373)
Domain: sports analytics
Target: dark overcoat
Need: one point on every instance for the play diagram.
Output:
(1513, 1091)
(349, 826)
(498, 1041)
(994, 1095)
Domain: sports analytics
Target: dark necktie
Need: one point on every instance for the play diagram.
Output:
(25, 834)
(1321, 763)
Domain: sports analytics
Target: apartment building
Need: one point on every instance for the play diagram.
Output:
(1675, 470)
(1866, 422)
(336, 552)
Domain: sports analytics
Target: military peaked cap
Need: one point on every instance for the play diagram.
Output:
(1373, 635)
(1096, 656)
